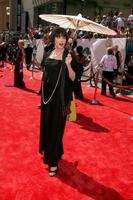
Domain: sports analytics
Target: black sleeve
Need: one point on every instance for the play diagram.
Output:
(45, 55)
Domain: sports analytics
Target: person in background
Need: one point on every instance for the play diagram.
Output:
(130, 22)
(77, 63)
(10, 53)
(2, 53)
(18, 65)
(120, 22)
(104, 20)
(118, 56)
(57, 88)
(80, 61)
(108, 64)
(28, 55)
(118, 74)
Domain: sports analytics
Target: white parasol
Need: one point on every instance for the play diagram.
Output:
(77, 23)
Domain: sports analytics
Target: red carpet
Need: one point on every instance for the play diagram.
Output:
(98, 159)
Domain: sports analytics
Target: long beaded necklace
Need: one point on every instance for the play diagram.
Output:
(46, 102)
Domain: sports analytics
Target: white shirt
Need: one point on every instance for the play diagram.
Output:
(32, 42)
(120, 22)
(130, 18)
(130, 21)
(108, 63)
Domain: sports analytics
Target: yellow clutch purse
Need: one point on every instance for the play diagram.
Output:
(72, 116)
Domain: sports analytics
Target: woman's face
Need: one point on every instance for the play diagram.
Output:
(20, 45)
(60, 42)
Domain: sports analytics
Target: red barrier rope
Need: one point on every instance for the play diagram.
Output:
(118, 86)
(130, 76)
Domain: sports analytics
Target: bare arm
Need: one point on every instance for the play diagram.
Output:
(70, 70)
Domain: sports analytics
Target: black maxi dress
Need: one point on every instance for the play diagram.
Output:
(54, 112)
(18, 70)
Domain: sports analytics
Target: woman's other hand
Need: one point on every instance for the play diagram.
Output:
(68, 60)
(68, 64)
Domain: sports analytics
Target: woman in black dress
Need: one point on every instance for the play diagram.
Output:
(57, 87)
(18, 65)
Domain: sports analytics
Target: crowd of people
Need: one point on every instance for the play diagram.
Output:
(118, 22)
(10, 47)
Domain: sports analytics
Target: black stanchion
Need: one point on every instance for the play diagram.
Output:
(94, 101)
(33, 65)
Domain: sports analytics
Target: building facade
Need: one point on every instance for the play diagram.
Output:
(4, 15)
(24, 13)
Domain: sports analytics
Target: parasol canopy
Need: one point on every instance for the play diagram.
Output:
(77, 22)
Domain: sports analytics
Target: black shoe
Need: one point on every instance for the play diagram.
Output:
(53, 171)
